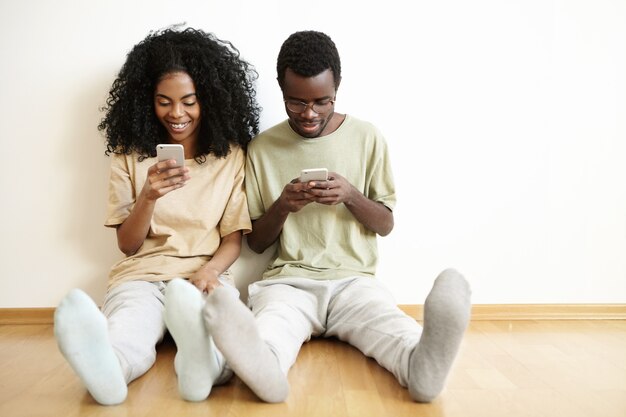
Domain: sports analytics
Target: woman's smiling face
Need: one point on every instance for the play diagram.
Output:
(177, 108)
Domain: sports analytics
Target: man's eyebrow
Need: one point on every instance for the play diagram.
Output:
(304, 101)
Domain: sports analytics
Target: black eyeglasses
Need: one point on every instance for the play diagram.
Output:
(296, 106)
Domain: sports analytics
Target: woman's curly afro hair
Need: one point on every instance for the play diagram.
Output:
(308, 53)
(224, 87)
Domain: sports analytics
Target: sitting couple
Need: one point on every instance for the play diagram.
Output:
(181, 228)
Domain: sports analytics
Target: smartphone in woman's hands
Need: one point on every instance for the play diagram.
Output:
(167, 151)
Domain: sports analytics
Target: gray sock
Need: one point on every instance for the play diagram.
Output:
(236, 335)
(446, 315)
(196, 363)
(82, 335)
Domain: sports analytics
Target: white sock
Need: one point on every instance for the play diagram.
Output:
(446, 315)
(235, 332)
(196, 363)
(82, 335)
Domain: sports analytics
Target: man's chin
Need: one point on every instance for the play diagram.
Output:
(309, 133)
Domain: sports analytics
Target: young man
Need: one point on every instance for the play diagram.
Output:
(321, 281)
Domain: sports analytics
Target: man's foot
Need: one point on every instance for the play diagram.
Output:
(236, 335)
(446, 315)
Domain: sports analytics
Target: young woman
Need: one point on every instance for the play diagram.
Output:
(180, 227)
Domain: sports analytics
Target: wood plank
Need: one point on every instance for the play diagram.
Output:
(26, 315)
(508, 312)
(573, 368)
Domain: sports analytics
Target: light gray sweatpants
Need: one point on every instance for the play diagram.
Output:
(357, 310)
(135, 315)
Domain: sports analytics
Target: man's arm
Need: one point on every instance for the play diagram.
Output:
(267, 228)
(373, 215)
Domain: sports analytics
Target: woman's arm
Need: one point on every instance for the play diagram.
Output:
(206, 278)
(162, 179)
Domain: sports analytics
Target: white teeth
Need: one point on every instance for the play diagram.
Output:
(178, 125)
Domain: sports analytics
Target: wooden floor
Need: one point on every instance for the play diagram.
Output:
(505, 369)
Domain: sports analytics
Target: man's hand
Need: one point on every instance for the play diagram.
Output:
(335, 190)
(373, 215)
(295, 196)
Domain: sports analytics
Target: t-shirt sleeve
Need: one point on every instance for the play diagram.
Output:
(381, 187)
(121, 195)
(255, 203)
(236, 216)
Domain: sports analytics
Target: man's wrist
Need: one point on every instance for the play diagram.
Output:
(353, 197)
(282, 209)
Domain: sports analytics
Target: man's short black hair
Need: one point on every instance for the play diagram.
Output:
(308, 53)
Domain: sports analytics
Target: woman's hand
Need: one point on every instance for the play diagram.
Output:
(163, 177)
(206, 280)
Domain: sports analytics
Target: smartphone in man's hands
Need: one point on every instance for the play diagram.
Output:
(314, 174)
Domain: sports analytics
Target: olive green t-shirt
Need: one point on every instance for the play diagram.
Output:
(187, 224)
(320, 241)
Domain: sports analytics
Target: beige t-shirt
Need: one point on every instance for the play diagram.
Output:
(187, 224)
(321, 241)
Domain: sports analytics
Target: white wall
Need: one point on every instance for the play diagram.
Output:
(506, 121)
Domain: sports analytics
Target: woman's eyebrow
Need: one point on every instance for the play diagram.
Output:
(169, 98)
